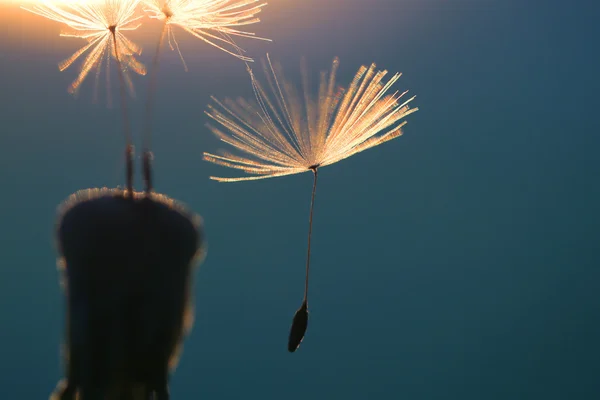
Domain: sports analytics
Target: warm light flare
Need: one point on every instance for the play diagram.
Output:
(212, 21)
(101, 25)
(30, 3)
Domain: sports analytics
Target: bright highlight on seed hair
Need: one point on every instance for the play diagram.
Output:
(289, 131)
(101, 25)
(214, 22)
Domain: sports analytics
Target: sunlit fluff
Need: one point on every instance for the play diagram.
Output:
(100, 23)
(290, 131)
(212, 21)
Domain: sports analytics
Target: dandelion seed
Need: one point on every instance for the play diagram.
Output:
(212, 21)
(288, 131)
(101, 25)
(126, 257)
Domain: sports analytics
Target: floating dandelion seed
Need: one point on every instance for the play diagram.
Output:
(126, 257)
(101, 25)
(291, 132)
(212, 21)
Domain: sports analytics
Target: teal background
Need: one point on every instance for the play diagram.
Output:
(459, 261)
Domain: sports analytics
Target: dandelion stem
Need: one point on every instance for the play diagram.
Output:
(310, 219)
(126, 124)
(147, 138)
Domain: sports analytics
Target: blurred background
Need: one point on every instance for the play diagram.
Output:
(459, 261)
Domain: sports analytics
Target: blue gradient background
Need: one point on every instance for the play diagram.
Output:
(459, 261)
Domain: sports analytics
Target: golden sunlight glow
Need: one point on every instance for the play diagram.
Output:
(43, 2)
(212, 21)
(100, 24)
(292, 131)
(216, 22)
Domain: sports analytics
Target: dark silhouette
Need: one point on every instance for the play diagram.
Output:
(299, 325)
(128, 262)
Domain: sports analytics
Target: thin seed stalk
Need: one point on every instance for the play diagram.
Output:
(310, 219)
(147, 137)
(300, 321)
(126, 123)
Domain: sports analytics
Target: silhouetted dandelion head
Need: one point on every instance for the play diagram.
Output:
(127, 265)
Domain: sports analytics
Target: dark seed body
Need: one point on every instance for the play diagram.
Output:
(298, 329)
(128, 273)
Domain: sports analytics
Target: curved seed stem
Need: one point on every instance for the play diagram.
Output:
(126, 123)
(147, 138)
(310, 219)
